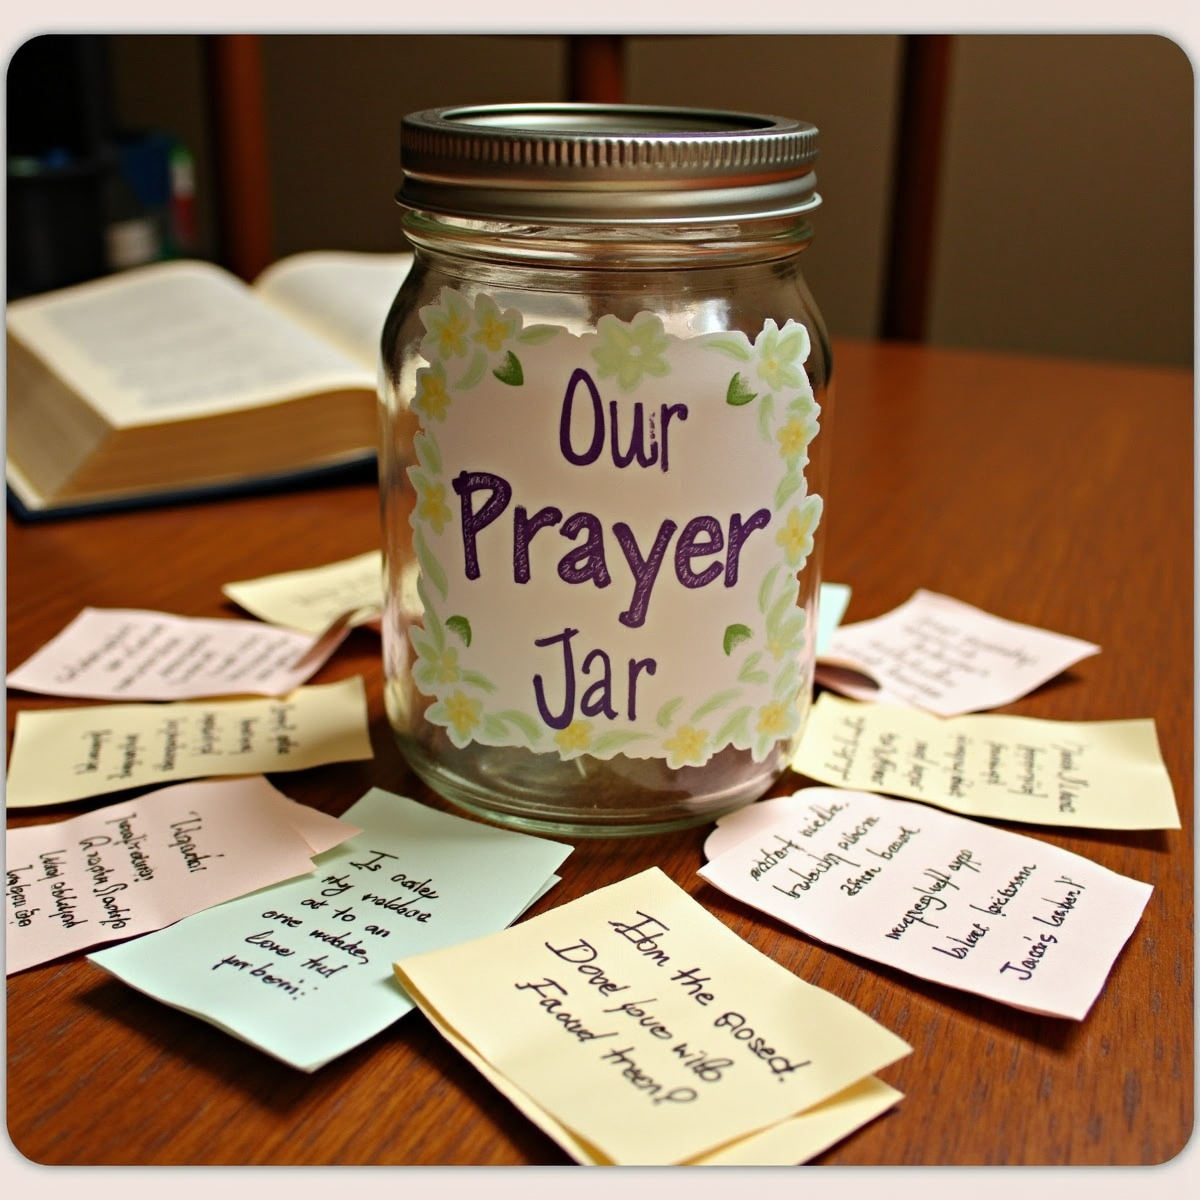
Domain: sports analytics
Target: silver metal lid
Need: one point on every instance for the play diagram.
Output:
(619, 163)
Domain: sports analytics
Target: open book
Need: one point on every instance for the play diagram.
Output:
(177, 379)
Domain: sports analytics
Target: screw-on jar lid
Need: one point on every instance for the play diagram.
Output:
(618, 163)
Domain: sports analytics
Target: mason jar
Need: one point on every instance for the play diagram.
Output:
(604, 425)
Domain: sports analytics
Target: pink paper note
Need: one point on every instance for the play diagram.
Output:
(939, 654)
(133, 654)
(944, 898)
(135, 867)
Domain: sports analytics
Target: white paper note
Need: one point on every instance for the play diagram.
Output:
(133, 654)
(950, 900)
(937, 653)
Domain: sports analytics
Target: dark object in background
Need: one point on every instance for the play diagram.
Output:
(60, 134)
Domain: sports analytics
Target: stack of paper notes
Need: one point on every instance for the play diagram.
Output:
(148, 658)
(635, 1028)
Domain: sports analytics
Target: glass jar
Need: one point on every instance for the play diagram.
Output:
(601, 478)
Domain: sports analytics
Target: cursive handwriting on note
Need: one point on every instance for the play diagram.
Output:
(950, 900)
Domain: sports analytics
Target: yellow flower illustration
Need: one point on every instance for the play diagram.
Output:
(462, 712)
(492, 327)
(781, 354)
(444, 666)
(432, 506)
(432, 400)
(794, 436)
(447, 327)
(576, 738)
(773, 719)
(627, 352)
(796, 535)
(687, 746)
(778, 646)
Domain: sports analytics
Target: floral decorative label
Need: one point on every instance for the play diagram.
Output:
(610, 528)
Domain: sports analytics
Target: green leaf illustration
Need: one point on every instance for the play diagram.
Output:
(474, 373)
(430, 567)
(537, 333)
(734, 636)
(734, 347)
(614, 741)
(428, 454)
(735, 730)
(475, 679)
(525, 723)
(460, 626)
(509, 371)
(666, 714)
(738, 393)
(788, 486)
(713, 703)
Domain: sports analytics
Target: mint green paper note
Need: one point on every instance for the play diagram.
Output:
(303, 969)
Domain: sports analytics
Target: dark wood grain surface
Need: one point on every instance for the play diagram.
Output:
(1054, 493)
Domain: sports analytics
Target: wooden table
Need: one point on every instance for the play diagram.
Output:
(1054, 493)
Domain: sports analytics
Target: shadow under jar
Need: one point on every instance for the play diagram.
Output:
(604, 426)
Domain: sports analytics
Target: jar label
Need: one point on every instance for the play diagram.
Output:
(610, 529)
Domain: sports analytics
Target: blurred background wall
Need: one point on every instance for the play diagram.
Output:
(1053, 209)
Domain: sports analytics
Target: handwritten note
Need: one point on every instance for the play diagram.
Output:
(951, 900)
(314, 598)
(71, 753)
(937, 653)
(304, 970)
(639, 1023)
(135, 867)
(1090, 774)
(132, 654)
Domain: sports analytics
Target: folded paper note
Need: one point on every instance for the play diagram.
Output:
(135, 867)
(784, 1144)
(71, 753)
(951, 900)
(313, 599)
(638, 1029)
(131, 654)
(304, 970)
(1088, 774)
(937, 653)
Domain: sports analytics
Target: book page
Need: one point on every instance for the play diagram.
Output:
(177, 340)
(343, 295)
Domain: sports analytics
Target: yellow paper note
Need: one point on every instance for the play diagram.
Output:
(787, 1143)
(1089, 774)
(312, 599)
(645, 1028)
(71, 753)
